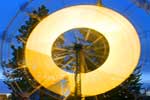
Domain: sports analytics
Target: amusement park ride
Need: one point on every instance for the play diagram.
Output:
(75, 51)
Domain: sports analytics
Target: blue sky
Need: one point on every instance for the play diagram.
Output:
(139, 18)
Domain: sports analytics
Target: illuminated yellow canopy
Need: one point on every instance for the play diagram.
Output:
(123, 56)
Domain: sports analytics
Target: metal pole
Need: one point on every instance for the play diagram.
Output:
(77, 77)
(77, 48)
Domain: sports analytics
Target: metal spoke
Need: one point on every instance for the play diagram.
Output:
(97, 39)
(87, 35)
(60, 49)
(34, 90)
(21, 67)
(88, 58)
(62, 37)
(61, 57)
(61, 54)
(18, 87)
(13, 88)
(95, 48)
(69, 61)
(93, 55)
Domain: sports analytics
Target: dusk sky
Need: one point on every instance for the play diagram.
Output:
(139, 18)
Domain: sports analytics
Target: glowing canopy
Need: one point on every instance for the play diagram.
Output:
(122, 60)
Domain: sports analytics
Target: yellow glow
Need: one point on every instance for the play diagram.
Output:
(122, 60)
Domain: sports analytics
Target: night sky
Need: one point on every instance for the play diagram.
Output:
(139, 18)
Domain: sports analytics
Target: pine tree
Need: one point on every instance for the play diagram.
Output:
(19, 80)
(128, 90)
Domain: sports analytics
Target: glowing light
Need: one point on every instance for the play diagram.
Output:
(122, 60)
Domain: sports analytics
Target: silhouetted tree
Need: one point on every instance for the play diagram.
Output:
(19, 79)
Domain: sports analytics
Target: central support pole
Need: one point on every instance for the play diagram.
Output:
(78, 94)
